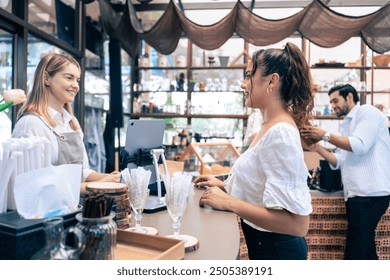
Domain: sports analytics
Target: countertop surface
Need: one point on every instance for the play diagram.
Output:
(322, 193)
(217, 231)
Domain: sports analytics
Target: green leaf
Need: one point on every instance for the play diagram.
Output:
(6, 105)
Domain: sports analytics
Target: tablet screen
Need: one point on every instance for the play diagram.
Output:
(144, 134)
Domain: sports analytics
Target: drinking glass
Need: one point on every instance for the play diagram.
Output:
(176, 205)
(138, 199)
(137, 181)
(56, 236)
(178, 191)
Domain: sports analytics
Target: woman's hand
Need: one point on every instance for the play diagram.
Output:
(217, 199)
(208, 181)
(114, 176)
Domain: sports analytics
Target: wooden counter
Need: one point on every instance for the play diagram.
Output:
(219, 236)
(328, 225)
(217, 231)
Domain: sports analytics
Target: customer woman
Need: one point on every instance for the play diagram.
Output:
(47, 112)
(267, 186)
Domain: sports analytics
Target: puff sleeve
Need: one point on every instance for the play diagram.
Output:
(286, 172)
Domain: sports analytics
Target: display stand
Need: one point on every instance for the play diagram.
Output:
(144, 148)
(155, 204)
(148, 158)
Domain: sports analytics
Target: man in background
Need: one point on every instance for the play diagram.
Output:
(363, 157)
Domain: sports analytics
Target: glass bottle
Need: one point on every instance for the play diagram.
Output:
(100, 234)
(56, 248)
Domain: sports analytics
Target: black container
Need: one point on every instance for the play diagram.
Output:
(20, 239)
(330, 180)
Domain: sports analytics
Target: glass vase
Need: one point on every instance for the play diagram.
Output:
(100, 234)
(55, 236)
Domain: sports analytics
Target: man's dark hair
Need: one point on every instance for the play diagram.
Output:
(344, 90)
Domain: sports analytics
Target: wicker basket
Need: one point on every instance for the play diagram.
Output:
(382, 60)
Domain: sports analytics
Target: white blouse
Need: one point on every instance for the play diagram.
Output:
(273, 173)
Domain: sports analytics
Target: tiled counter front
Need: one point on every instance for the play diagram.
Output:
(328, 225)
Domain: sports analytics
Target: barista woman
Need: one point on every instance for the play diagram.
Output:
(47, 112)
(267, 186)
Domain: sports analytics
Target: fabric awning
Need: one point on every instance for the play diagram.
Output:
(316, 22)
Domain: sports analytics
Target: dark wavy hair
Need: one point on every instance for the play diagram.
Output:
(295, 77)
(344, 90)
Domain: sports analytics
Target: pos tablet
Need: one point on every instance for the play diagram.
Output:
(142, 137)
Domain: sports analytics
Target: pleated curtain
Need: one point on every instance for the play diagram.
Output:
(316, 22)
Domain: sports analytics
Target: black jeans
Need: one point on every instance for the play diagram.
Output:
(363, 215)
(273, 246)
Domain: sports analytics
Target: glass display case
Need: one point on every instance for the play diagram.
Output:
(209, 158)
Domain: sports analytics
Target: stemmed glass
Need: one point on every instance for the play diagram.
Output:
(137, 181)
(178, 190)
(138, 199)
(176, 204)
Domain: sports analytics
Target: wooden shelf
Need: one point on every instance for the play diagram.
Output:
(380, 67)
(350, 67)
(184, 92)
(359, 91)
(160, 68)
(327, 117)
(378, 91)
(162, 91)
(204, 116)
(218, 68)
(193, 68)
(341, 67)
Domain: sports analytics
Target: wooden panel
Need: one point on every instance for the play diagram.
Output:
(173, 166)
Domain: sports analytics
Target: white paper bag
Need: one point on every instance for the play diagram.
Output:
(49, 191)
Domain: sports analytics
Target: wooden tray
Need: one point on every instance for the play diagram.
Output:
(139, 246)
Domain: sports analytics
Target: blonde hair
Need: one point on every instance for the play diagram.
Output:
(38, 100)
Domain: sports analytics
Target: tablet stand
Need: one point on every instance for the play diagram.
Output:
(155, 204)
(146, 157)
